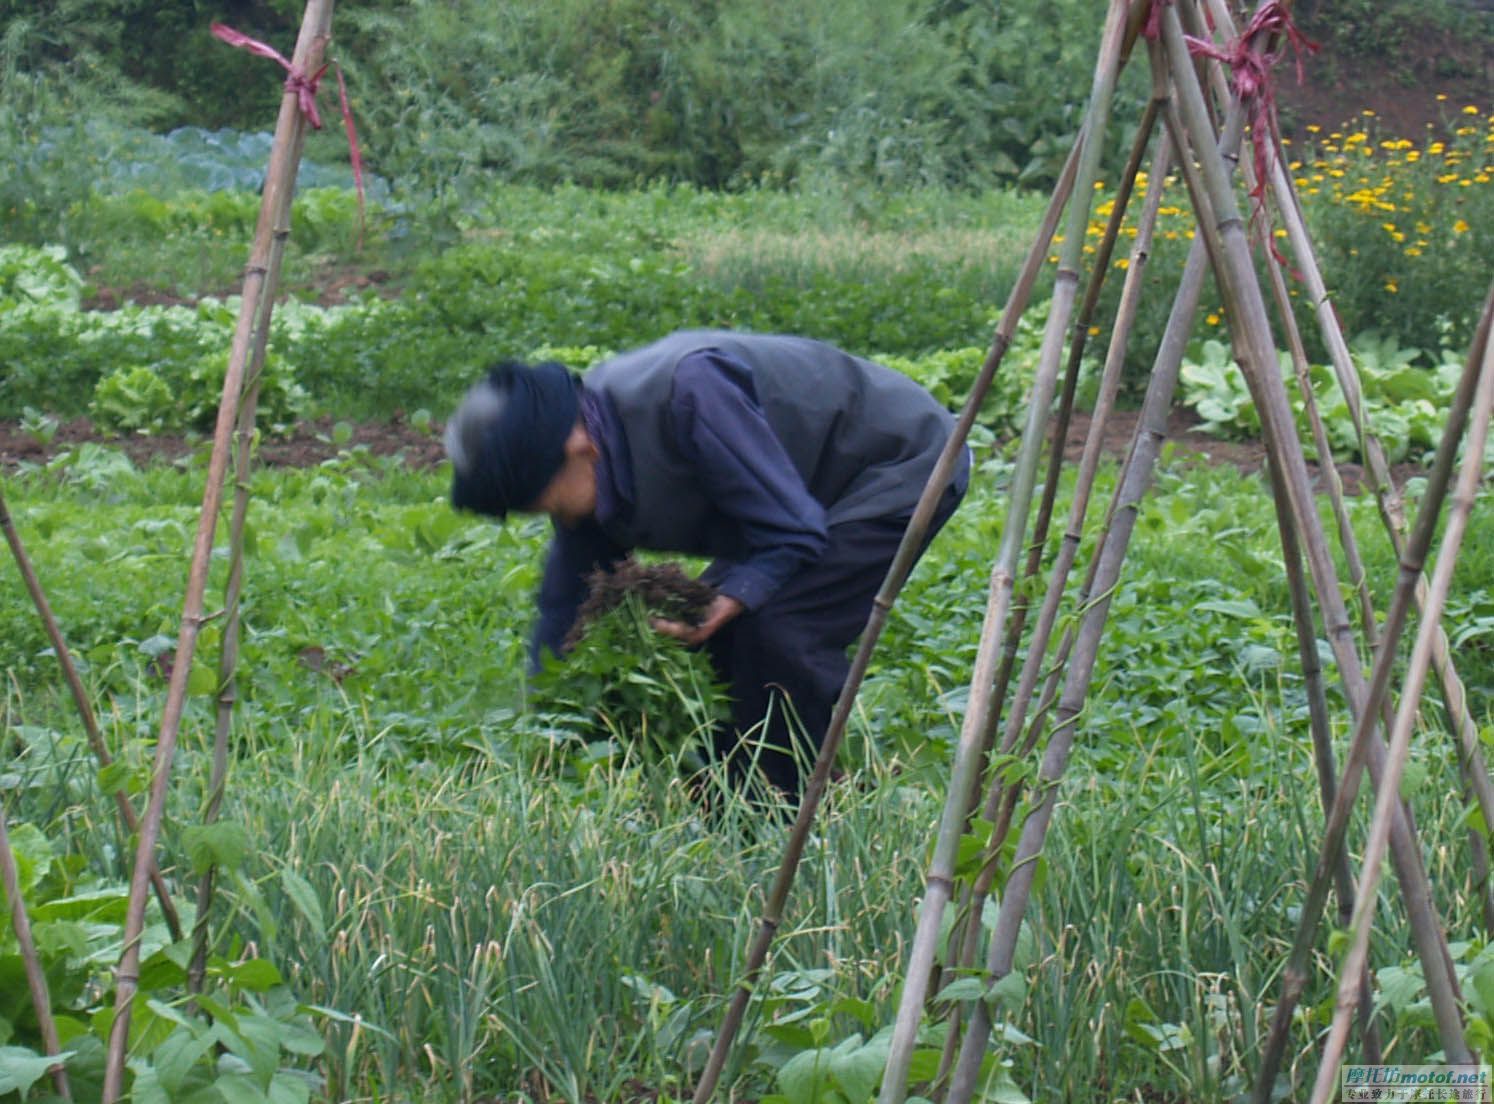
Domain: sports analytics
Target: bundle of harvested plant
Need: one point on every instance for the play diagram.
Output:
(655, 698)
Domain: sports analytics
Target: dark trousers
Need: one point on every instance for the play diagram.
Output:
(786, 661)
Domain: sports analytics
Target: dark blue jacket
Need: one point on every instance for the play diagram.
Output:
(744, 448)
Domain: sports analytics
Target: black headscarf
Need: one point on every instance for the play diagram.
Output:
(507, 439)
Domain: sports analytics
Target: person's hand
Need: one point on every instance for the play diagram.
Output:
(721, 610)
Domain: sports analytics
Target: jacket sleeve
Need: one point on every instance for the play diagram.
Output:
(720, 428)
(574, 554)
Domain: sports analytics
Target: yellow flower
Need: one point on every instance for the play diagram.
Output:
(1441, 97)
(1470, 110)
(1390, 286)
(1094, 331)
(1412, 251)
(1460, 227)
(1123, 263)
(1212, 319)
(1313, 128)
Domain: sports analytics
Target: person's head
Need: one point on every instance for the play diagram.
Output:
(517, 442)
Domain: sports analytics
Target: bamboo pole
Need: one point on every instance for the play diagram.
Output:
(36, 979)
(1134, 481)
(279, 179)
(1078, 339)
(1474, 767)
(1481, 363)
(1475, 774)
(964, 947)
(1319, 726)
(1223, 22)
(1307, 647)
(84, 706)
(233, 592)
(897, 575)
(939, 882)
(1255, 351)
(1294, 976)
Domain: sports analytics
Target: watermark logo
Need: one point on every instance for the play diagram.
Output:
(1420, 1084)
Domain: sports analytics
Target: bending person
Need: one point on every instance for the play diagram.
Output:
(793, 465)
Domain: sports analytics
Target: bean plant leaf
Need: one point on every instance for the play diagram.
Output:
(223, 844)
(1483, 986)
(287, 1088)
(802, 1077)
(240, 1088)
(858, 1068)
(962, 990)
(33, 855)
(175, 1058)
(22, 1067)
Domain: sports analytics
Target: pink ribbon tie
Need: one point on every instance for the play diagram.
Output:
(305, 89)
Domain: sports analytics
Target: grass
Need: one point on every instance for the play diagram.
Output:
(499, 914)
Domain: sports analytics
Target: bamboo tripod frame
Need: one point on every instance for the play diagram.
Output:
(1203, 139)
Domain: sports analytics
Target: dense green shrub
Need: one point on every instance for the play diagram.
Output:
(850, 94)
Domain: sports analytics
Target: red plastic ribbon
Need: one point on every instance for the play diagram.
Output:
(1251, 71)
(305, 89)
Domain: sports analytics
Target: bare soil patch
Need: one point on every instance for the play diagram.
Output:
(308, 444)
(313, 442)
(1402, 93)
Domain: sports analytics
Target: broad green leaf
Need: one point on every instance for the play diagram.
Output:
(240, 1088)
(288, 1088)
(22, 1067)
(202, 682)
(962, 989)
(178, 1054)
(222, 843)
(858, 1068)
(1483, 986)
(300, 1037)
(1003, 1090)
(33, 854)
(802, 1078)
(146, 1088)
